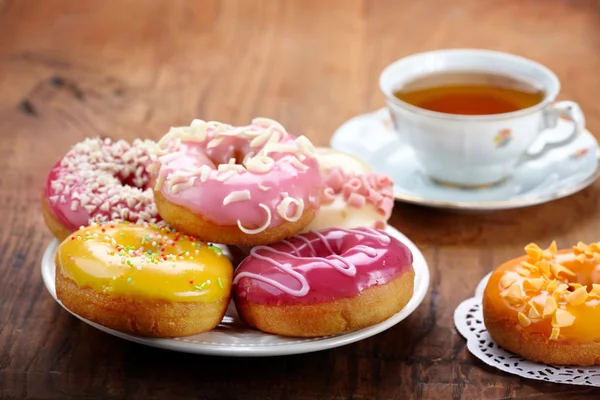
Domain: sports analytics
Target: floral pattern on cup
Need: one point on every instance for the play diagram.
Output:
(503, 138)
(579, 154)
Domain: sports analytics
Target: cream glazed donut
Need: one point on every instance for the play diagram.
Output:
(247, 185)
(324, 282)
(353, 196)
(100, 180)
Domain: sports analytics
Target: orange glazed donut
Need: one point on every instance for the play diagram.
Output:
(324, 282)
(546, 306)
(247, 185)
(143, 280)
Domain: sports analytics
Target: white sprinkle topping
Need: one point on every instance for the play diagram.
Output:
(214, 143)
(169, 157)
(305, 146)
(226, 175)
(263, 187)
(239, 195)
(260, 164)
(198, 129)
(277, 148)
(298, 164)
(231, 167)
(284, 206)
(262, 228)
(268, 122)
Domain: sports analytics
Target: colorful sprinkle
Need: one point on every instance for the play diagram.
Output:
(130, 263)
(128, 280)
(215, 249)
(220, 283)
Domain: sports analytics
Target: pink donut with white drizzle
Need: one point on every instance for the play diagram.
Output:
(324, 282)
(353, 196)
(247, 185)
(100, 180)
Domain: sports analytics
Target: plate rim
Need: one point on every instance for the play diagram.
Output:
(484, 205)
(305, 345)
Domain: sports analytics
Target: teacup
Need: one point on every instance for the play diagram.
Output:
(476, 150)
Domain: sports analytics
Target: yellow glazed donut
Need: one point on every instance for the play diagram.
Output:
(143, 280)
(545, 306)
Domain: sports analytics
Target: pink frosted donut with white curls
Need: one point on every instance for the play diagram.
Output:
(100, 180)
(240, 181)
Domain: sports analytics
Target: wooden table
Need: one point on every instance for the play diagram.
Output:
(126, 69)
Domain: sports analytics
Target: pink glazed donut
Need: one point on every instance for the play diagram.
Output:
(324, 282)
(246, 185)
(100, 180)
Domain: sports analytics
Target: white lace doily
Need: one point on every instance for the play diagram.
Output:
(468, 318)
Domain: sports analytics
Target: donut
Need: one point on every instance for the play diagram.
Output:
(100, 180)
(329, 158)
(143, 280)
(248, 185)
(324, 282)
(544, 305)
(353, 196)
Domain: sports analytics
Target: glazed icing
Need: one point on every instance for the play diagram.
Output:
(145, 261)
(555, 293)
(352, 197)
(100, 180)
(256, 177)
(320, 266)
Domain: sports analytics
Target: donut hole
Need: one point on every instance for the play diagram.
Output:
(135, 181)
(236, 154)
(336, 247)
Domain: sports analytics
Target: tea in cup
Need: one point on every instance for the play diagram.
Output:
(472, 115)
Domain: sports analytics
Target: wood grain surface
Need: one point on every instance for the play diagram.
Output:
(126, 69)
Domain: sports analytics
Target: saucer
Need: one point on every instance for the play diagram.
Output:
(560, 173)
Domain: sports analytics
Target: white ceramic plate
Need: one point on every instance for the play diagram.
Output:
(233, 338)
(559, 173)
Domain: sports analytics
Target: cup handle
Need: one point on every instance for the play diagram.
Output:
(569, 109)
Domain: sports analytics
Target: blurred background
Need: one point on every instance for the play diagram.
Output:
(127, 68)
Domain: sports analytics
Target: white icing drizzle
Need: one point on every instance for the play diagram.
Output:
(239, 195)
(260, 229)
(284, 206)
(308, 243)
(343, 265)
(294, 248)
